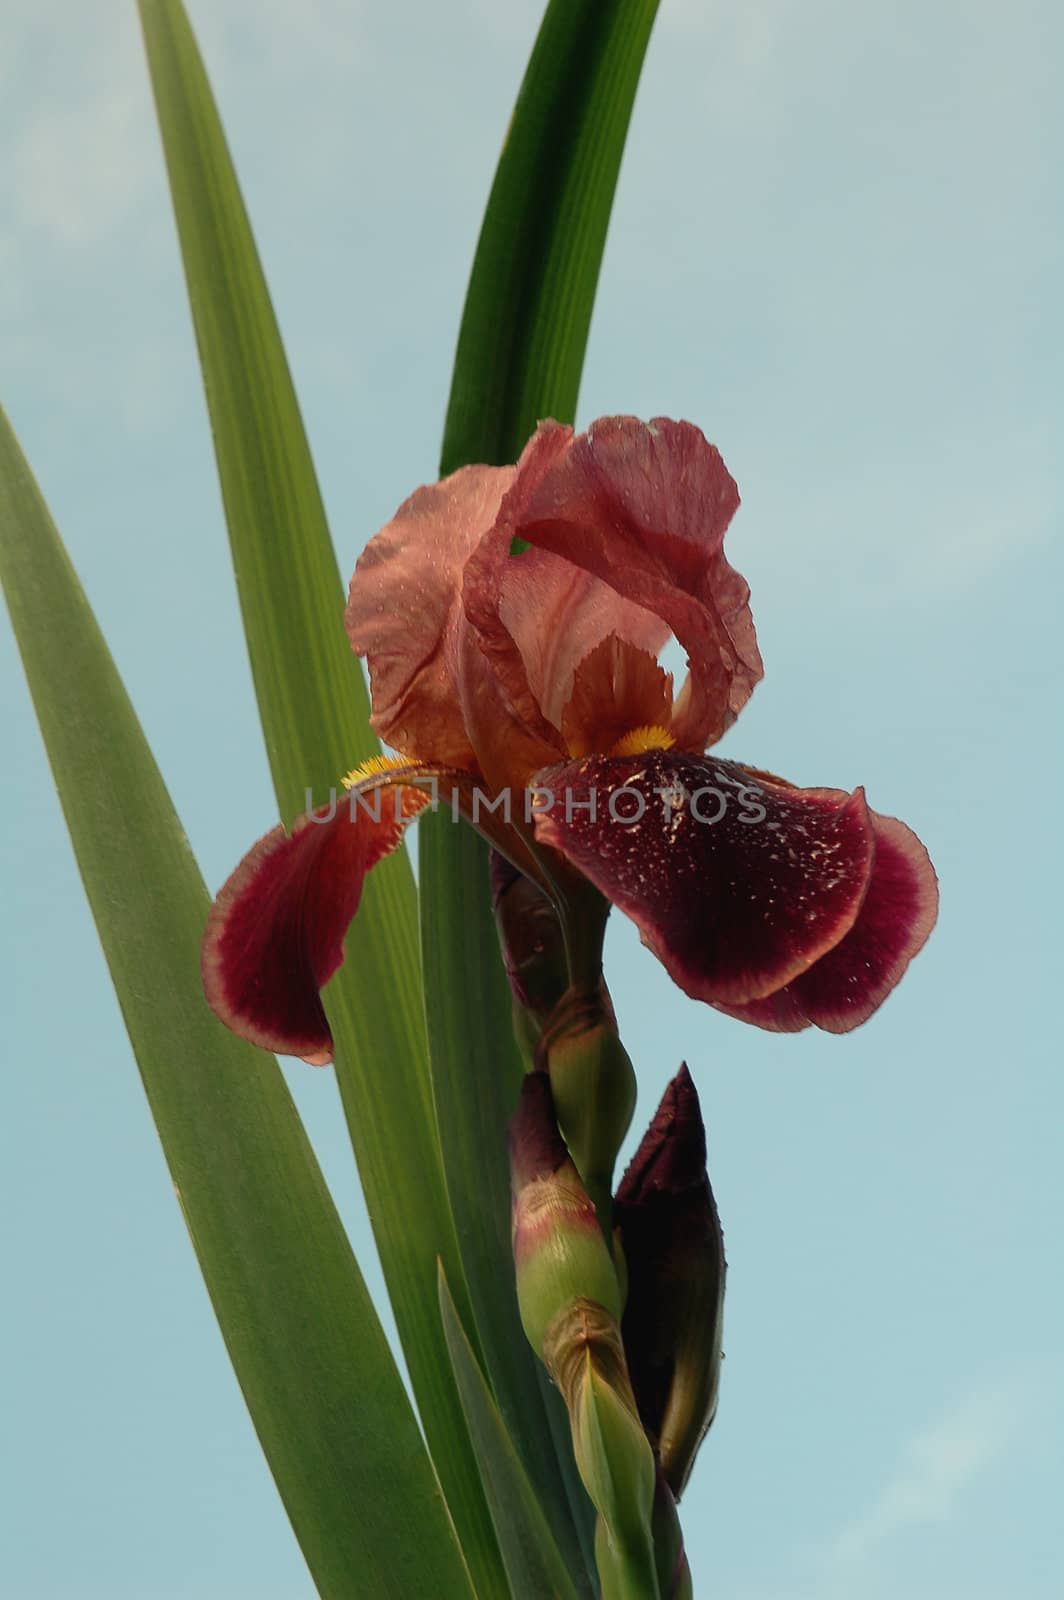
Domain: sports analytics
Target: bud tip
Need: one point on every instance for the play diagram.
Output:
(537, 1149)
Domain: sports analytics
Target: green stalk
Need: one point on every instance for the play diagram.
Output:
(519, 357)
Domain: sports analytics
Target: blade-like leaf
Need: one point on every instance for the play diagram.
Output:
(477, 1077)
(528, 308)
(308, 1350)
(520, 354)
(314, 711)
(533, 1562)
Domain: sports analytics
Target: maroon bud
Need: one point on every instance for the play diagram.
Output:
(674, 1251)
(537, 1149)
(671, 1158)
(532, 945)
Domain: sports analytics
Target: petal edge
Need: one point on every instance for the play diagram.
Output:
(275, 933)
(734, 905)
(851, 981)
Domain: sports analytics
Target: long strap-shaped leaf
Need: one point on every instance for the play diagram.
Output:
(314, 711)
(532, 288)
(534, 1564)
(520, 354)
(308, 1350)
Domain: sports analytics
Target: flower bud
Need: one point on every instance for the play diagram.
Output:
(570, 1303)
(560, 1253)
(533, 948)
(593, 1083)
(584, 1354)
(674, 1249)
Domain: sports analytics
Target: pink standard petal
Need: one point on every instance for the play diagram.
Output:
(736, 886)
(275, 934)
(557, 615)
(482, 596)
(404, 606)
(644, 507)
(536, 615)
(508, 743)
(844, 987)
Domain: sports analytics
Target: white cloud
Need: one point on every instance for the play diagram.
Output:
(77, 121)
(940, 1463)
(83, 188)
(77, 160)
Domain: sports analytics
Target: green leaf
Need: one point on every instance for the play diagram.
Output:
(319, 1380)
(520, 354)
(533, 1562)
(478, 1073)
(528, 309)
(314, 710)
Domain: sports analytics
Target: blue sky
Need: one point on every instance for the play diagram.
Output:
(836, 248)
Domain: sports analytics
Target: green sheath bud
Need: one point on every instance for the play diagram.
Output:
(593, 1082)
(570, 1303)
(674, 1249)
(585, 1356)
(560, 1253)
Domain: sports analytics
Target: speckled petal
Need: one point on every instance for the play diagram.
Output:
(851, 981)
(736, 886)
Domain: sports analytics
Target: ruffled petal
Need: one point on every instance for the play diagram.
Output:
(404, 606)
(644, 507)
(486, 577)
(509, 743)
(275, 934)
(557, 615)
(846, 985)
(737, 886)
(535, 615)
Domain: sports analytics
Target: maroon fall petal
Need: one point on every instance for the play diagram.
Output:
(275, 934)
(846, 985)
(736, 885)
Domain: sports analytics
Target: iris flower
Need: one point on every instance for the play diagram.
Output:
(511, 618)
